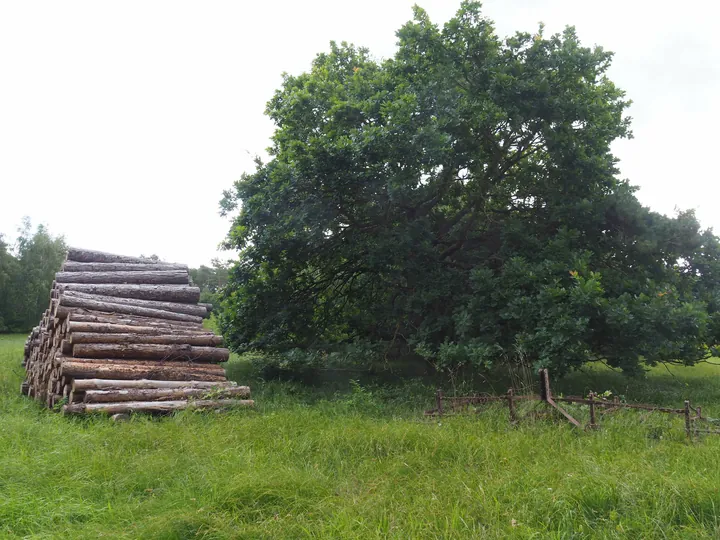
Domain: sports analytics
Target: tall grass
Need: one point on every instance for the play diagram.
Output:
(359, 461)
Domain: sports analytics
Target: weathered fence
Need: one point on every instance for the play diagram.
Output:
(597, 405)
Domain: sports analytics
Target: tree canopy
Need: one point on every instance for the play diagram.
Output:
(27, 271)
(459, 204)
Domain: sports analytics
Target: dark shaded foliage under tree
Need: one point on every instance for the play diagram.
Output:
(26, 275)
(459, 204)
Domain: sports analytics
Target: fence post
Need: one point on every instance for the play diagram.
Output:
(593, 424)
(438, 401)
(687, 419)
(545, 394)
(511, 405)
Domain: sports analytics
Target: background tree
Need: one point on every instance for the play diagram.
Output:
(459, 204)
(26, 275)
(210, 279)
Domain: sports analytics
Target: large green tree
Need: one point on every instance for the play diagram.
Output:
(459, 204)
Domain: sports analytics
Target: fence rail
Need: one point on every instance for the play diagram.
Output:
(448, 405)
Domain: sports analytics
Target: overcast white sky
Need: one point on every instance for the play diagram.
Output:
(122, 122)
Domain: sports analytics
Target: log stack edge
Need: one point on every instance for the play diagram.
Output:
(125, 334)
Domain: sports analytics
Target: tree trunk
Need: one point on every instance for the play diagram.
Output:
(175, 307)
(81, 385)
(72, 266)
(209, 340)
(163, 293)
(87, 255)
(154, 352)
(154, 406)
(69, 301)
(160, 277)
(164, 394)
(161, 372)
(112, 328)
(84, 315)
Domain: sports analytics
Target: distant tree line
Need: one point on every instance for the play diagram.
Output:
(210, 279)
(27, 270)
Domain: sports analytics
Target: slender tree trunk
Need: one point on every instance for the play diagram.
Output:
(151, 351)
(81, 385)
(72, 266)
(160, 277)
(208, 340)
(164, 394)
(163, 293)
(82, 370)
(175, 307)
(154, 406)
(68, 301)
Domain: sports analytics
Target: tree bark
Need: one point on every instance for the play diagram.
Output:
(161, 372)
(151, 352)
(160, 277)
(112, 328)
(88, 255)
(69, 301)
(154, 406)
(164, 394)
(141, 363)
(208, 340)
(81, 385)
(175, 307)
(164, 293)
(72, 266)
(84, 315)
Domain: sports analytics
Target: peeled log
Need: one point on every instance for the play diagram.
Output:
(68, 301)
(84, 315)
(151, 352)
(72, 266)
(154, 406)
(88, 255)
(175, 307)
(82, 370)
(80, 385)
(210, 340)
(155, 277)
(164, 293)
(111, 328)
(164, 394)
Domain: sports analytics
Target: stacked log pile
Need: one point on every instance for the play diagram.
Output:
(125, 334)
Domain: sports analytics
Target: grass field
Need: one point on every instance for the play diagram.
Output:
(361, 463)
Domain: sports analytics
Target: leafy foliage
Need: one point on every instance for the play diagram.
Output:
(26, 275)
(459, 204)
(210, 279)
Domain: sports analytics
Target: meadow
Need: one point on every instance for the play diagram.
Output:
(359, 460)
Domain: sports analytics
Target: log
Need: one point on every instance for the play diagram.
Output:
(209, 340)
(163, 293)
(68, 301)
(72, 266)
(164, 394)
(151, 352)
(81, 385)
(84, 315)
(175, 307)
(82, 370)
(160, 277)
(154, 406)
(194, 369)
(88, 255)
(201, 367)
(112, 328)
